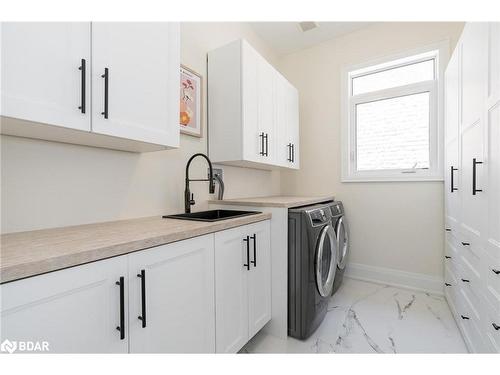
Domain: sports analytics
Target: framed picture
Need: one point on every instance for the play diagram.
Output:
(190, 115)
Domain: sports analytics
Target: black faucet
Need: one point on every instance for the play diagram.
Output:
(188, 197)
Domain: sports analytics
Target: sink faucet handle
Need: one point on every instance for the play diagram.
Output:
(192, 202)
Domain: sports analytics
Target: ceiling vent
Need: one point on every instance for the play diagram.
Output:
(308, 25)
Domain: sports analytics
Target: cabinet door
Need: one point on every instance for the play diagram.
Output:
(452, 128)
(474, 68)
(492, 235)
(266, 108)
(259, 277)
(292, 111)
(41, 80)
(283, 143)
(179, 298)
(135, 81)
(231, 294)
(253, 145)
(76, 310)
(473, 205)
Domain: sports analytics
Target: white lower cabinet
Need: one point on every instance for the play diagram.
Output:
(190, 296)
(76, 310)
(242, 284)
(171, 298)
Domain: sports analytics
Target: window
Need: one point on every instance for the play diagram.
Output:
(391, 123)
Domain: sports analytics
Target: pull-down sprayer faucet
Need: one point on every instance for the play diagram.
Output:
(188, 197)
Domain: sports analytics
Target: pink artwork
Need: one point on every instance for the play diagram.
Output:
(190, 102)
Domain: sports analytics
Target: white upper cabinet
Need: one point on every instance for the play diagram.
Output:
(46, 72)
(54, 74)
(253, 110)
(134, 68)
(287, 123)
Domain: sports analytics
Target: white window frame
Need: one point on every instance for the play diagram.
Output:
(436, 90)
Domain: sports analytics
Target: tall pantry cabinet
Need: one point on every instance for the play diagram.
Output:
(472, 185)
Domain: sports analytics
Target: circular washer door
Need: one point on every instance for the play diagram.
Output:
(342, 242)
(326, 261)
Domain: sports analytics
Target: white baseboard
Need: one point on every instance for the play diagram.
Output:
(389, 276)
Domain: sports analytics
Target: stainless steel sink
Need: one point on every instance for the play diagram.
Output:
(211, 215)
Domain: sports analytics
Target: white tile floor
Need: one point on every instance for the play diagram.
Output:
(372, 318)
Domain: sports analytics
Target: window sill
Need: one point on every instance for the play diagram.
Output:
(393, 179)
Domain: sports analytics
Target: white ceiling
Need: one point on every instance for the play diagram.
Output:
(287, 37)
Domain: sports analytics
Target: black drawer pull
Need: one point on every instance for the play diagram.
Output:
(496, 326)
(289, 147)
(465, 280)
(106, 92)
(448, 229)
(254, 261)
(447, 257)
(466, 243)
(83, 70)
(247, 264)
(447, 284)
(496, 272)
(452, 185)
(464, 317)
(474, 163)
(293, 153)
(142, 318)
(121, 327)
(267, 144)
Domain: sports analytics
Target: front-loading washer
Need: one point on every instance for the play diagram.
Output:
(339, 222)
(312, 265)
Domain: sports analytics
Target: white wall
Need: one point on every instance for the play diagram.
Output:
(47, 184)
(394, 225)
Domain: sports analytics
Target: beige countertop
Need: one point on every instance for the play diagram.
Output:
(274, 201)
(26, 254)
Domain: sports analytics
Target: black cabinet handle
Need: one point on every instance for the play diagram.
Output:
(466, 243)
(447, 284)
(261, 136)
(142, 318)
(289, 147)
(106, 92)
(452, 184)
(496, 326)
(495, 271)
(267, 144)
(293, 153)
(465, 280)
(474, 163)
(448, 229)
(121, 327)
(254, 261)
(464, 317)
(247, 264)
(83, 70)
(447, 257)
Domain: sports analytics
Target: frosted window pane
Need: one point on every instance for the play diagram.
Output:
(393, 133)
(405, 75)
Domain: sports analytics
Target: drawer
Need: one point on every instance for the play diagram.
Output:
(491, 278)
(470, 324)
(473, 248)
(491, 328)
(452, 227)
(469, 278)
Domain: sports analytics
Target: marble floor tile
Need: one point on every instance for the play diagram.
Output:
(366, 317)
